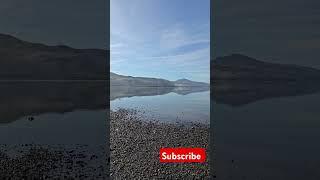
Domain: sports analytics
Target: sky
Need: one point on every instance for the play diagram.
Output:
(75, 23)
(167, 39)
(285, 31)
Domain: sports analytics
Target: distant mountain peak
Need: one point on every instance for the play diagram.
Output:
(183, 80)
(120, 80)
(239, 55)
(8, 40)
(6, 36)
(236, 59)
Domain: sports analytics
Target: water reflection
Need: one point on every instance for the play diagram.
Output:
(130, 91)
(60, 125)
(266, 130)
(165, 104)
(239, 93)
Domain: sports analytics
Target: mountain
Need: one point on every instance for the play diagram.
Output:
(22, 60)
(240, 67)
(186, 82)
(238, 80)
(120, 80)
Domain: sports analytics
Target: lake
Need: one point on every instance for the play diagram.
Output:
(267, 137)
(265, 134)
(184, 105)
(66, 120)
(53, 112)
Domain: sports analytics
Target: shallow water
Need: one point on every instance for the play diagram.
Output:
(53, 113)
(77, 127)
(68, 117)
(164, 105)
(275, 138)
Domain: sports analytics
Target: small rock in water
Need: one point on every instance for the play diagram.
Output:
(30, 118)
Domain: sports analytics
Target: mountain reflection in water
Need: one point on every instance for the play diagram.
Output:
(60, 125)
(265, 130)
(20, 99)
(130, 91)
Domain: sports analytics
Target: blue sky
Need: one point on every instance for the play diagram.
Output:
(167, 39)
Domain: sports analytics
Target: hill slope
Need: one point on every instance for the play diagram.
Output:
(238, 80)
(21, 60)
(240, 67)
(120, 80)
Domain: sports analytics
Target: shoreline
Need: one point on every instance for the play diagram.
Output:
(40, 161)
(135, 144)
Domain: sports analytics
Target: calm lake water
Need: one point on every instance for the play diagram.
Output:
(275, 138)
(53, 113)
(57, 128)
(193, 105)
(67, 119)
(266, 138)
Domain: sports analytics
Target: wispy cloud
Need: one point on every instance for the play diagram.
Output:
(156, 44)
(177, 36)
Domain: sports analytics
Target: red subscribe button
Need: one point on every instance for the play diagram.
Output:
(182, 155)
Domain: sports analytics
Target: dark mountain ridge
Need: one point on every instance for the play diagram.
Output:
(240, 67)
(238, 80)
(22, 60)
